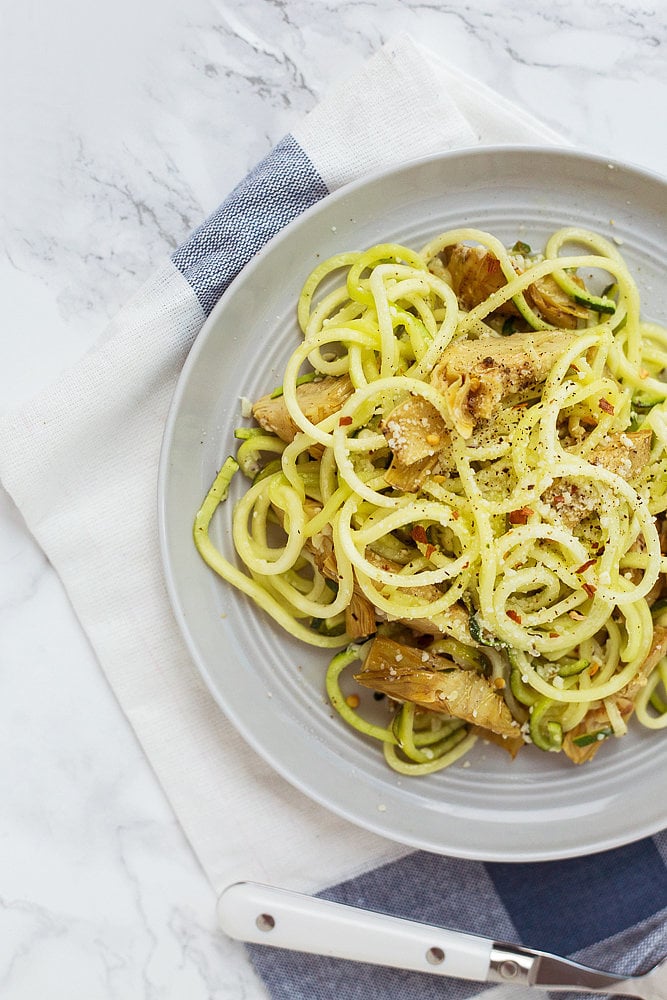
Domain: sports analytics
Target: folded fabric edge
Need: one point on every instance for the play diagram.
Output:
(494, 118)
(414, 104)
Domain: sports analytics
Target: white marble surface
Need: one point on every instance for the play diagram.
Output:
(122, 126)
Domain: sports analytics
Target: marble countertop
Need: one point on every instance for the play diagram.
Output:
(123, 126)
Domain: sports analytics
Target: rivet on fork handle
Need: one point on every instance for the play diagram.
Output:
(509, 965)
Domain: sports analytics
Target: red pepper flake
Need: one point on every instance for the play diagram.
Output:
(558, 499)
(419, 534)
(606, 406)
(455, 515)
(585, 566)
(590, 589)
(554, 635)
(520, 516)
(344, 421)
(514, 616)
(430, 549)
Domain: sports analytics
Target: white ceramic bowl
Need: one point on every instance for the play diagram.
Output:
(271, 687)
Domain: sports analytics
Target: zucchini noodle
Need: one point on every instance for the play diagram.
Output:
(461, 486)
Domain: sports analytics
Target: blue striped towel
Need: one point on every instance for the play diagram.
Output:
(84, 455)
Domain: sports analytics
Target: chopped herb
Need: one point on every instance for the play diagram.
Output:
(481, 635)
(586, 739)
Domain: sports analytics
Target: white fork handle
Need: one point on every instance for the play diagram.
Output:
(265, 915)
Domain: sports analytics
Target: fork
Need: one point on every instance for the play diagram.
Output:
(263, 914)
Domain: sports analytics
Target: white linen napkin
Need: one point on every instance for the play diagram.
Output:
(81, 462)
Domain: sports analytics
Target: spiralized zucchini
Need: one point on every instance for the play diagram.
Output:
(520, 551)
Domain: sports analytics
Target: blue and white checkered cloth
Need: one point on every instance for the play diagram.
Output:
(85, 454)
